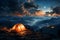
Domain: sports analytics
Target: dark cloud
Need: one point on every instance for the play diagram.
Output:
(8, 6)
(30, 5)
(57, 10)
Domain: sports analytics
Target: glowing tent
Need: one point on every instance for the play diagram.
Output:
(19, 27)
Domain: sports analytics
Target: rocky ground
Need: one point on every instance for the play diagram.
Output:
(4, 35)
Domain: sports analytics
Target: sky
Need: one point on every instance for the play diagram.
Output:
(47, 5)
(8, 6)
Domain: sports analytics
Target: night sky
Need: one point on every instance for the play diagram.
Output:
(47, 4)
(8, 6)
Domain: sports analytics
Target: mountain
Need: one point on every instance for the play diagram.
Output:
(35, 22)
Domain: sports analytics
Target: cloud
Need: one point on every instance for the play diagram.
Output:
(9, 7)
(57, 10)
